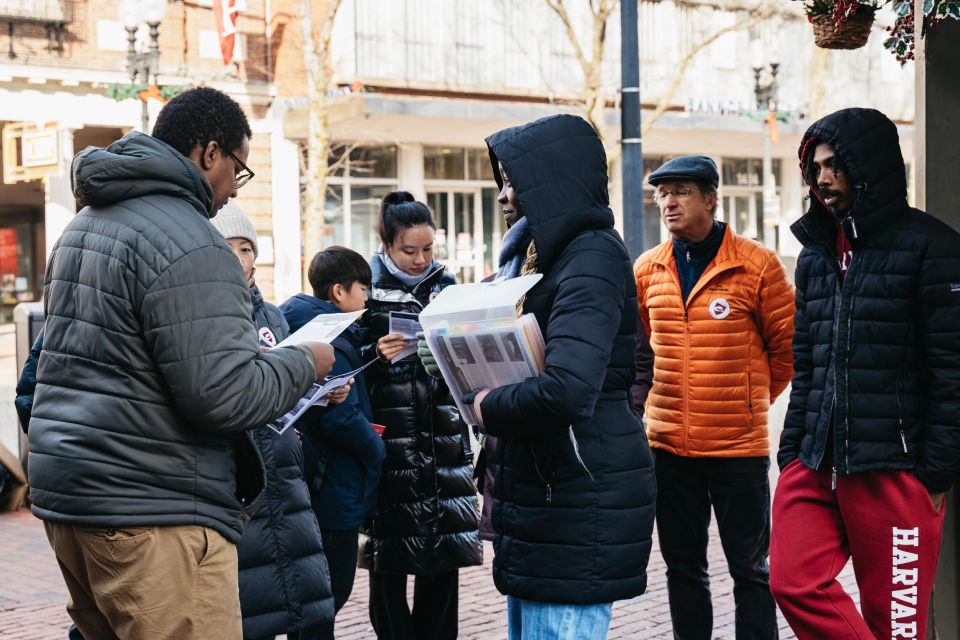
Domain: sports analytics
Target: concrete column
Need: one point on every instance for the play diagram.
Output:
(410, 170)
(937, 157)
(285, 200)
(59, 204)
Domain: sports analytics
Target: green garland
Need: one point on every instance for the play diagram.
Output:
(121, 92)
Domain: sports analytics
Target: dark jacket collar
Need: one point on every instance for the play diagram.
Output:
(558, 168)
(869, 148)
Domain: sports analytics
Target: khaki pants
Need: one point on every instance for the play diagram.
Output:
(149, 582)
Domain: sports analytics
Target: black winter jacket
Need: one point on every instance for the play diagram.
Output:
(428, 515)
(569, 532)
(876, 353)
(150, 370)
(284, 578)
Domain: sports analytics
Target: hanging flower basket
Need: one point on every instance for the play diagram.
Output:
(852, 33)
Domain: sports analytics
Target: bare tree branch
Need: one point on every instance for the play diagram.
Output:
(757, 15)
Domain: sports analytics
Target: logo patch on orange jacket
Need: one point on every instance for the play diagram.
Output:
(719, 308)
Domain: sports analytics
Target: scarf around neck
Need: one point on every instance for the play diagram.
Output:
(514, 249)
(409, 281)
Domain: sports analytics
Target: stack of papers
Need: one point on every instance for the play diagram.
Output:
(479, 342)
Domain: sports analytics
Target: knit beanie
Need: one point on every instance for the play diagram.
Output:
(232, 222)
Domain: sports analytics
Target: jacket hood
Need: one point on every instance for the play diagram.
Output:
(135, 166)
(558, 168)
(869, 149)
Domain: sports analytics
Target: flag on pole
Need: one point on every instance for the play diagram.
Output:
(225, 13)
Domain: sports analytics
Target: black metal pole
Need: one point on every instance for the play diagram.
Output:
(632, 158)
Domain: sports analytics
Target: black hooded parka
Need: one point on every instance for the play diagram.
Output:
(876, 352)
(571, 532)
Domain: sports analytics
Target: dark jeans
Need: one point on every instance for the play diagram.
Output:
(434, 615)
(739, 490)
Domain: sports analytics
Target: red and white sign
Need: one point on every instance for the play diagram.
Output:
(225, 13)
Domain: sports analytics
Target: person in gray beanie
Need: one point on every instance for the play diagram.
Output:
(282, 544)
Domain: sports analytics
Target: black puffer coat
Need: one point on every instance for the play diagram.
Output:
(878, 350)
(284, 578)
(428, 514)
(566, 533)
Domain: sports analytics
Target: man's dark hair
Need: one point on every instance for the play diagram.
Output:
(400, 211)
(810, 168)
(197, 116)
(706, 188)
(337, 265)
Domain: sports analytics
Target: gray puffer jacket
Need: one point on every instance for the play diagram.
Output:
(151, 371)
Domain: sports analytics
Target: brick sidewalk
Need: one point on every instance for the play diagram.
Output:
(32, 595)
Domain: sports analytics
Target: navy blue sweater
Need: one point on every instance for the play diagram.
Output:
(692, 258)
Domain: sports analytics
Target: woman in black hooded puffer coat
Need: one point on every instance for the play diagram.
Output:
(574, 493)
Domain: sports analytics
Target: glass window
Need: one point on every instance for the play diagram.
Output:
(443, 163)
(373, 162)
(747, 172)
(333, 209)
(364, 210)
(478, 165)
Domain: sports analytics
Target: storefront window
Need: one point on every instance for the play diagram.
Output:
(359, 179)
(463, 196)
(18, 282)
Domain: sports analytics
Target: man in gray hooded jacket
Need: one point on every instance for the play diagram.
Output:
(149, 377)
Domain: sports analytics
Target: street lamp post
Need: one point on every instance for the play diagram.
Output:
(144, 65)
(766, 95)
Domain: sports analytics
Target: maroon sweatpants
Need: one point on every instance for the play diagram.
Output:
(885, 521)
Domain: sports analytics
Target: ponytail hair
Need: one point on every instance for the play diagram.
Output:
(400, 211)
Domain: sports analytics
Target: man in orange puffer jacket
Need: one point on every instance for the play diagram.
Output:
(718, 309)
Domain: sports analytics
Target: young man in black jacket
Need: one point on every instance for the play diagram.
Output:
(872, 436)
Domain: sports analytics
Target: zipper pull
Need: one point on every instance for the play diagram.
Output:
(549, 493)
(833, 479)
(688, 256)
(903, 439)
(853, 229)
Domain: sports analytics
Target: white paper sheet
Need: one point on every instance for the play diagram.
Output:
(324, 328)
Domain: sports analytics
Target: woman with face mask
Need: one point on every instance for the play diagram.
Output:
(427, 519)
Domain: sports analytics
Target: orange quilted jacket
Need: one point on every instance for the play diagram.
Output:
(721, 359)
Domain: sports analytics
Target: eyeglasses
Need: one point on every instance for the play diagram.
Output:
(682, 192)
(245, 175)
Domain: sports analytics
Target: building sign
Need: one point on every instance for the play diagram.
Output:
(41, 10)
(39, 148)
(30, 153)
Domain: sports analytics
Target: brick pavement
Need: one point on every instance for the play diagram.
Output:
(32, 595)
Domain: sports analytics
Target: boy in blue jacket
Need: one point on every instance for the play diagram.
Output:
(343, 453)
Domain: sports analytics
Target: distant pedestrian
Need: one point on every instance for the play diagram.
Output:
(718, 311)
(872, 437)
(344, 453)
(150, 376)
(573, 496)
(427, 516)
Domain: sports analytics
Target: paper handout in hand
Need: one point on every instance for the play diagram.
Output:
(408, 326)
(324, 328)
(316, 396)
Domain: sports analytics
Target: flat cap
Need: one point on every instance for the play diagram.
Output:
(699, 168)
